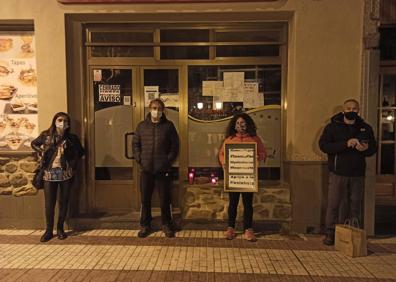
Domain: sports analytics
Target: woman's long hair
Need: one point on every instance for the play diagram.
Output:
(52, 129)
(250, 125)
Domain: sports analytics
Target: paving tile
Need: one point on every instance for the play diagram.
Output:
(194, 255)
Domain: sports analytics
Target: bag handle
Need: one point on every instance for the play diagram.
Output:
(353, 222)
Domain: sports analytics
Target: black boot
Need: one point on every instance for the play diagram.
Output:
(47, 236)
(144, 231)
(329, 239)
(60, 232)
(168, 231)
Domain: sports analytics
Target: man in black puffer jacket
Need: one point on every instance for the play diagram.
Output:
(155, 146)
(347, 140)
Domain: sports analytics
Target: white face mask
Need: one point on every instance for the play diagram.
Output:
(61, 125)
(156, 114)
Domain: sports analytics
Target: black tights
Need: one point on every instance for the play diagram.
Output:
(50, 195)
(247, 199)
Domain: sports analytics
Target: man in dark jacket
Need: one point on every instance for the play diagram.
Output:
(347, 140)
(155, 146)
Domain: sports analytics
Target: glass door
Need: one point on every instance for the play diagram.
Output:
(111, 119)
(118, 102)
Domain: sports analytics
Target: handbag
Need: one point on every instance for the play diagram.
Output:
(350, 239)
(38, 181)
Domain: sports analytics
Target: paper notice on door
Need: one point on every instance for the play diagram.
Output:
(212, 88)
(234, 80)
(252, 98)
(97, 75)
(127, 100)
(150, 93)
(232, 95)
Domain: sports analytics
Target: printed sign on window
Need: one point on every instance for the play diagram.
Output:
(109, 93)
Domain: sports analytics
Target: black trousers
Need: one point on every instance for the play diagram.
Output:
(344, 200)
(247, 199)
(149, 182)
(50, 195)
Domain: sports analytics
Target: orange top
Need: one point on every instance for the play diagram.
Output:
(242, 138)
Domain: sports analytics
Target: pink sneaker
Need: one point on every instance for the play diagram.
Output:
(230, 233)
(249, 235)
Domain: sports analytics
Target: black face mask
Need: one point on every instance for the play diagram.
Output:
(351, 115)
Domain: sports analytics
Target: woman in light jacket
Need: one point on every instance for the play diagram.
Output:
(241, 129)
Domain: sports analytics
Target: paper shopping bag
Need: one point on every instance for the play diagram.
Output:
(350, 240)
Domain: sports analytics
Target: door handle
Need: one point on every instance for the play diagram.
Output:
(126, 152)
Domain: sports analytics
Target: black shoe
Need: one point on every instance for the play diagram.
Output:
(168, 231)
(144, 231)
(61, 234)
(46, 236)
(329, 240)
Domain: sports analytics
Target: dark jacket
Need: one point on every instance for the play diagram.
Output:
(46, 147)
(341, 159)
(155, 145)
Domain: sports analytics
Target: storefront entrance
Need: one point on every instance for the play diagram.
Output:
(204, 73)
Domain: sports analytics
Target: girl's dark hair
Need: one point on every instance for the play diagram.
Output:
(250, 125)
(52, 129)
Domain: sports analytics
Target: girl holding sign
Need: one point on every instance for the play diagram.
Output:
(241, 129)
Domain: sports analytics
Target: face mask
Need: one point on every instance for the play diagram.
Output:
(240, 128)
(351, 115)
(61, 125)
(156, 114)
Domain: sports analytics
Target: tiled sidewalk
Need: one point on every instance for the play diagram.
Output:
(118, 255)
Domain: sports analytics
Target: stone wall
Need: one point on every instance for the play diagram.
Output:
(209, 202)
(16, 174)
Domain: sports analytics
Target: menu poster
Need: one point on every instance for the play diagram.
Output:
(18, 92)
(240, 169)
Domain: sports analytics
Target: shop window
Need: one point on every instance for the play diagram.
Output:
(215, 93)
(175, 43)
(387, 159)
(122, 51)
(247, 51)
(121, 37)
(387, 109)
(122, 43)
(248, 36)
(388, 44)
(184, 35)
(184, 52)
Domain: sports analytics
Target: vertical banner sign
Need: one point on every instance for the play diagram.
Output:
(240, 170)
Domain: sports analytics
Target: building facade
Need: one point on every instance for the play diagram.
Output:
(290, 64)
